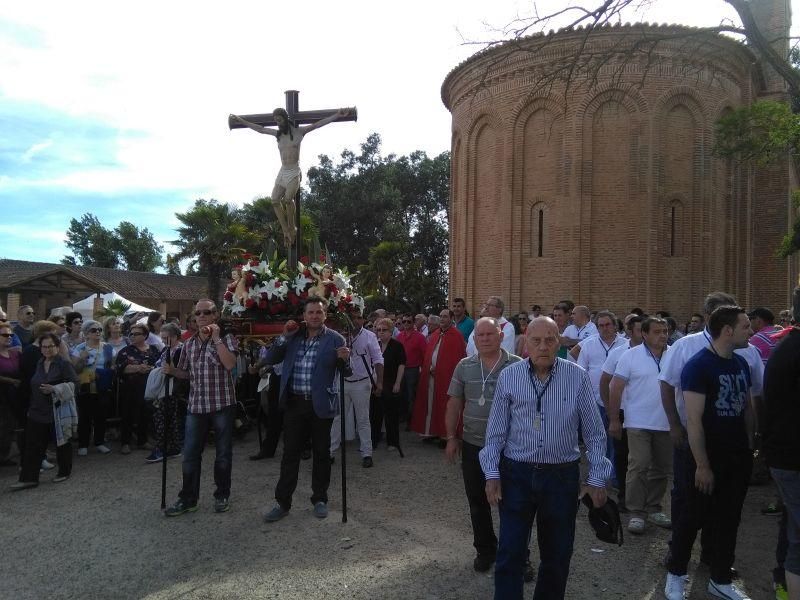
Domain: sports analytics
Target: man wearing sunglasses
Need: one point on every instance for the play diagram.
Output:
(24, 327)
(206, 361)
(414, 345)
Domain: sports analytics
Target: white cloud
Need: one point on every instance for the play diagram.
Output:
(35, 149)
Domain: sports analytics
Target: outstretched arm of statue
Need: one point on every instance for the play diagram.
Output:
(342, 112)
(255, 127)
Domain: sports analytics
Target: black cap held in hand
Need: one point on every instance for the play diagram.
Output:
(605, 520)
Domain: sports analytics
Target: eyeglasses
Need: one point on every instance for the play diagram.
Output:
(48, 347)
(94, 330)
(133, 333)
(197, 313)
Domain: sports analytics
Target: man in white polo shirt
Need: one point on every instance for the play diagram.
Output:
(635, 387)
(672, 399)
(592, 352)
(581, 328)
(633, 327)
(494, 307)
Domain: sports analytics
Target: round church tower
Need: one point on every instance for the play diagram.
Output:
(592, 178)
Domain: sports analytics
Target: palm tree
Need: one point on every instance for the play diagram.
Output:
(381, 274)
(212, 235)
(114, 308)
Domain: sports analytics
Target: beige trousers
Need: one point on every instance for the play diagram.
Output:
(649, 467)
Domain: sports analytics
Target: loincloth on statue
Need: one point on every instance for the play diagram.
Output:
(288, 176)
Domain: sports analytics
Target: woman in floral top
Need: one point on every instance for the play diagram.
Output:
(134, 363)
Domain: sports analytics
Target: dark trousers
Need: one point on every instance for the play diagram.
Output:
(385, 409)
(91, 415)
(718, 513)
(480, 512)
(621, 458)
(274, 417)
(550, 497)
(134, 414)
(410, 381)
(299, 422)
(197, 426)
(37, 436)
(166, 421)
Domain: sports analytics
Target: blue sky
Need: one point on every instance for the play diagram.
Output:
(121, 109)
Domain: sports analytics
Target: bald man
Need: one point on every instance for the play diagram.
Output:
(530, 460)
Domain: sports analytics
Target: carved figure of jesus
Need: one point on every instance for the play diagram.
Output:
(287, 183)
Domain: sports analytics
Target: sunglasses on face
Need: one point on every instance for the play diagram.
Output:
(197, 313)
(50, 347)
(407, 321)
(94, 330)
(5, 335)
(133, 333)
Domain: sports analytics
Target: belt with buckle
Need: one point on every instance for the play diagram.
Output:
(355, 380)
(552, 466)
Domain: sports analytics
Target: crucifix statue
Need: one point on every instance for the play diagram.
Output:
(292, 125)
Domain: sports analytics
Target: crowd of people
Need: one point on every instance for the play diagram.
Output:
(516, 399)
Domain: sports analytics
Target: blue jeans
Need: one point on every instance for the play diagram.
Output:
(197, 426)
(550, 496)
(788, 483)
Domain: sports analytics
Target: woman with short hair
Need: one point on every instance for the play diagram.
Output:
(385, 406)
(112, 335)
(51, 369)
(134, 363)
(154, 322)
(73, 337)
(91, 395)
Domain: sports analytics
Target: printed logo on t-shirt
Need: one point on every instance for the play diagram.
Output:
(732, 394)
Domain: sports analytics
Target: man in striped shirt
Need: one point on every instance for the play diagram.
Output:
(530, 460)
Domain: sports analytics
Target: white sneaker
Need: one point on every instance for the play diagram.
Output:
(46, 466)
(103, 449)
(83, 451)
(636, 525)
(675, 589)
(728, 591)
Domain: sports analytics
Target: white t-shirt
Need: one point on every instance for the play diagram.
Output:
(580, 333)
(594, 353)
(509, 338)
(686, 347)
(641, 399)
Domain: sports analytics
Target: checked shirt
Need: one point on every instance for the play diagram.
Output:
(210, 384)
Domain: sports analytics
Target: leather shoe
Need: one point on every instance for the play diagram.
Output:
(366, 462)
(261, 455)
(482, 563)
(22, 485)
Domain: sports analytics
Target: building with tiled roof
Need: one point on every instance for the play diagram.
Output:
(46, 286)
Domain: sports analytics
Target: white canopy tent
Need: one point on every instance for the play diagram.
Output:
(86, 306)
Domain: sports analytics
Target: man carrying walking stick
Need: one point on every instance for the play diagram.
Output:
(310, 356)
(206, 360)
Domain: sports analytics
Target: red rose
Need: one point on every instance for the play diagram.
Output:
(228, 296)
(247, 255)
(232, 287)
(307, 273)
(264, 296)
(304, 259)
(262, 304)
(254, 263)
(322, 258)
(348, 298)
(249, 303)
(277, 284)
(304, 294)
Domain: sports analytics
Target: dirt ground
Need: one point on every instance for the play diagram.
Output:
(102, 535)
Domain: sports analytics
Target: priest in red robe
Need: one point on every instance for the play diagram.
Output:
(445, 348)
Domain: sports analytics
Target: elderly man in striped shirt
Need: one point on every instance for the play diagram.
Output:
(531, 458)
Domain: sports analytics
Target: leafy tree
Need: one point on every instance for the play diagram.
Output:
(385, 214)
(212, 236)
(137, 248)
(92, 244)
(126, 246)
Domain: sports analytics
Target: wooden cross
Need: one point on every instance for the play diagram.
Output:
(297, 117)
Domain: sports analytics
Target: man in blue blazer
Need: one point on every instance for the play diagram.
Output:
(309, 399)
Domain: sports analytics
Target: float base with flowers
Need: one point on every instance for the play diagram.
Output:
(264, 293)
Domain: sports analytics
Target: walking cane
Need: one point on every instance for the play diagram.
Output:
(165, 435)
(343, 444)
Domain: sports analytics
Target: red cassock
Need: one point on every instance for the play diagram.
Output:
(451, 350)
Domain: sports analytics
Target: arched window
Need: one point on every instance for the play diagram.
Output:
(538, 215)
